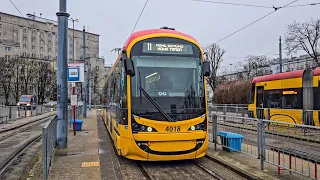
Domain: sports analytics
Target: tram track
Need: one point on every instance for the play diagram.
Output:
(18, 148)
(23, 127)
(203, 168)
(143, 171)
(207, 170)
(17, 153)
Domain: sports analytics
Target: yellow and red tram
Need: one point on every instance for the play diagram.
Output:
(156, 101)
(292, 97)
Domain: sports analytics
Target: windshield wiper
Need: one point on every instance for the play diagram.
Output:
(154, 103)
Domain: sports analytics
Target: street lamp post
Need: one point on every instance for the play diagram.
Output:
(73, 20)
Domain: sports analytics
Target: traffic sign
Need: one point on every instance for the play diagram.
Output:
(74, 101)
(75, 72)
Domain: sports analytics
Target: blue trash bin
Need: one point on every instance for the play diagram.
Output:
(78, 124)
(231, 140)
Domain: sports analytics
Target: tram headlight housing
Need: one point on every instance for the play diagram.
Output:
(136, 127)
(200, 126)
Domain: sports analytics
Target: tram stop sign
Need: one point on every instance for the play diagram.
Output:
(75, 72)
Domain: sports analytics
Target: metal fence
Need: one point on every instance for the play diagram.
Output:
(49, 134)
(288, 146)
(10, 113)
(229, 110)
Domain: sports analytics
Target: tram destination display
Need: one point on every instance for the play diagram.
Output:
(167, 48)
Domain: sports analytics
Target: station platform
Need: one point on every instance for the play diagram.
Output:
(91, 155)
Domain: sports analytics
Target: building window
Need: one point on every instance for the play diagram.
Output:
(24, 31)
(41, 48)
(33, 47)
(41, 56)
(42, 42)
(49, 50)
(0, 25)
(34, 32)
(7, 57)
(49, 57)
(24, 38)
(24, 54)
(8, 49)
(49, 43)
(33, 39)
(41, 34)
(33, 55)
(24, 46)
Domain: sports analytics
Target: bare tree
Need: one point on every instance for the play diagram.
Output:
(256, 66)
(46, 80)
(214, 54)
(6, 76)
(28, 74)
(17, 79)
(304, 36)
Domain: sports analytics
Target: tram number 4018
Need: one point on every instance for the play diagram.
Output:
(173, 128)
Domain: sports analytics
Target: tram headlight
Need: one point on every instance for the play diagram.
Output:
(200, 126)
(136, 127)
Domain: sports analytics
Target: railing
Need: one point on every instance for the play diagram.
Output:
(49, 134)
(288, 146)
(231, 110)
(232, 105)
(9, 113)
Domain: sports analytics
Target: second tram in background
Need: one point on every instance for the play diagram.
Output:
(156, 100)
(292, 97)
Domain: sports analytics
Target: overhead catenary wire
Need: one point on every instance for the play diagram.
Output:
(134, 27)
(254, 5)
(234, 4)
(254, 22)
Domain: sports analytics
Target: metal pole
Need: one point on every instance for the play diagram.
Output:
(280, 54)
(73, 41)
(74, 109)
(90, 84)
(62, 82)
(84, 84)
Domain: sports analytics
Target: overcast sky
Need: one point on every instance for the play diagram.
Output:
(207, 22)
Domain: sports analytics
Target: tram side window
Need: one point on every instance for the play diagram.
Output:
(110, 93)
(252, 93)
(290, 101)
(274, 100)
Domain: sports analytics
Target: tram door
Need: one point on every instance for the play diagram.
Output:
(259, 102)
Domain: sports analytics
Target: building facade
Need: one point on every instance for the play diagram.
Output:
(36, 37)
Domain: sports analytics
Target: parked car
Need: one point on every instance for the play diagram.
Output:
(51, 104)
